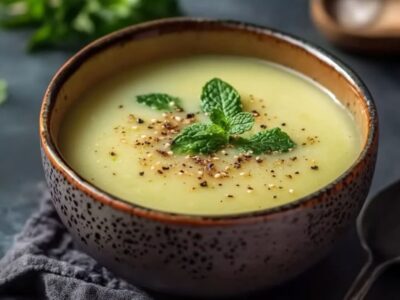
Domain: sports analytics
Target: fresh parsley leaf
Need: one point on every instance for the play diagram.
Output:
(200, 139)
(221, 96)
(159, 101)
(3, 91)
(69, 23)
(240, 123)
(266, 141)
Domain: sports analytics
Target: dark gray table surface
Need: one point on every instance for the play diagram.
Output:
(28, 76)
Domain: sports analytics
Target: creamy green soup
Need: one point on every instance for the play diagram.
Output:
(123, 147)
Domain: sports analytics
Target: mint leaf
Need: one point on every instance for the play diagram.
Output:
(218, 118)
(222, 102)
(219, 95)
(266, 141)
(3, 91)
(200, 139)
(159, 101)
(240, 123)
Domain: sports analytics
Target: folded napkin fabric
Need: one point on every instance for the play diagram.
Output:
(44, 264)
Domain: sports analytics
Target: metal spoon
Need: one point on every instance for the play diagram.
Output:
(379, 230)
(362, 25)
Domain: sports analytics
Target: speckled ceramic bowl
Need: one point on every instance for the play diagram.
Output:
(203, 255)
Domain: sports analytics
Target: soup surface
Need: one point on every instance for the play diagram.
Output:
(123, 147)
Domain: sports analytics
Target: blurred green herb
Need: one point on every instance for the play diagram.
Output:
(69, 23)
(3, 91)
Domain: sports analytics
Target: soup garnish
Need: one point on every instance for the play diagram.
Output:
(221, 102)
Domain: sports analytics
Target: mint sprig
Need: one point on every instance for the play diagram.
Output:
(266, 141)
(222, 103)
(159, 101)
(200, 139)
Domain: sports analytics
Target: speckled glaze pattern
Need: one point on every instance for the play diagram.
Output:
(212, 260)
(206, 256)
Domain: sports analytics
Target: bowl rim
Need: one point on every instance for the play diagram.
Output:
(160, 27)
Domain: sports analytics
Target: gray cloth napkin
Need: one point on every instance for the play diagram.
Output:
(43, 264)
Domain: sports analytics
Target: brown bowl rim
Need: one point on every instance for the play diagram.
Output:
(159, 27)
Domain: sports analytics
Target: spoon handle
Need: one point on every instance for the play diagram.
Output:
(367, 276)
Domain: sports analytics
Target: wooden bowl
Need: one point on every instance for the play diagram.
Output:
(380, 36)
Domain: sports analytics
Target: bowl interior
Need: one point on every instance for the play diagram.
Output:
(180, 37)
(138, 45)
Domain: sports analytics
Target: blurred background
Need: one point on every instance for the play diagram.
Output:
(37, 36)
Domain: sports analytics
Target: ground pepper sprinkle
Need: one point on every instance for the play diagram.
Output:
(203, 168)
(203, 184)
